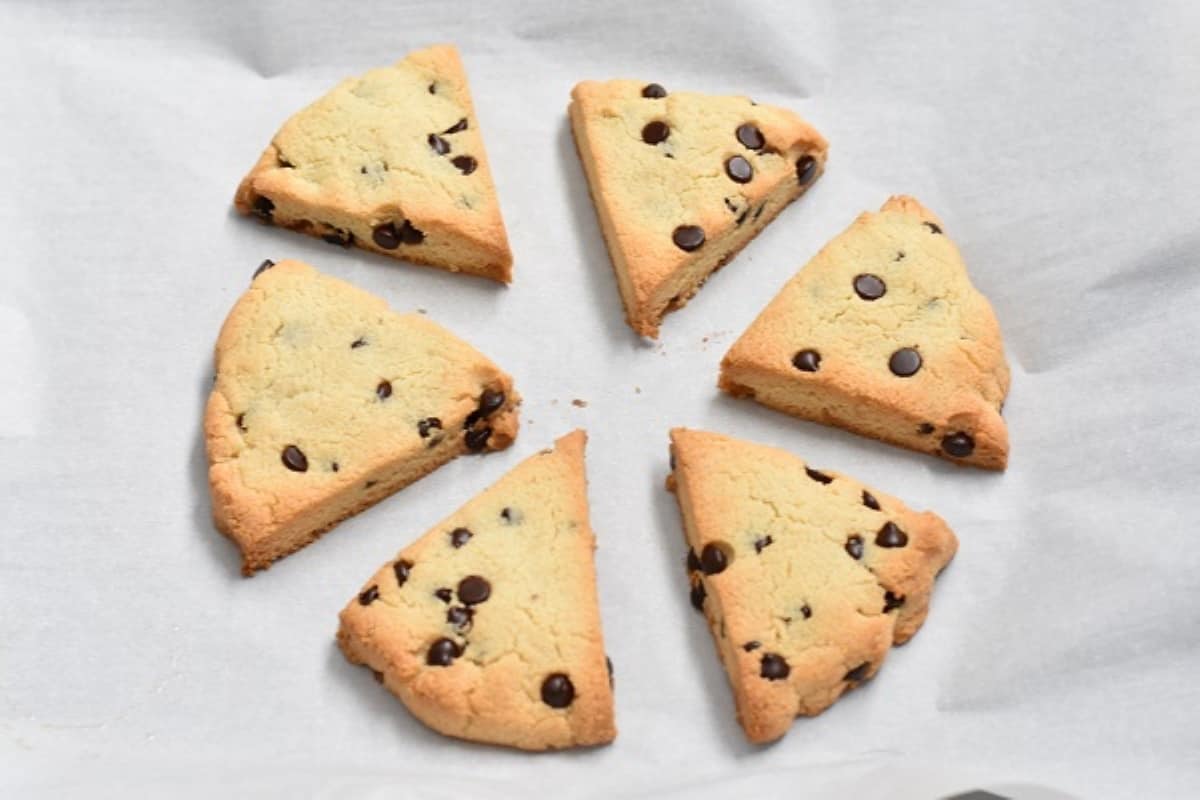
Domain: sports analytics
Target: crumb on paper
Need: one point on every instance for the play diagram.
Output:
(637, 390)
(579, 403)
(422, 311)
(554, 401)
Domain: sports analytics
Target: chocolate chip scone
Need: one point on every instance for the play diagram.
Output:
(325, 402)
(488, 626)
(806, 577)
(391, 162)
(682, 181)
(882, 333)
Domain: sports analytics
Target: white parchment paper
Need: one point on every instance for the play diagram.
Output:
(1060, 142)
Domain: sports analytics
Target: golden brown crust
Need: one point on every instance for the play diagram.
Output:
(791, 588)
(929, 304)
(288, 373)
(642, 192)
(531, 540)
(360, 157)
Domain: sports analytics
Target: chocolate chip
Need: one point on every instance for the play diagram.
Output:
(688, 237)
(806, 611)
(409, 234)
(890, 535)
(444, 594)
(859, 672)
(369, 484)
(806, 168)
(892, 601)
(904, 362)
(750, 136)
(655, 132)
(368, 595)
(819, 477)
(263, 267)
(402, 568)
(439, 145)
(433, 88)
(460, 617)
(264, 208)
(713, 559)
(653, 90)
(933, 227)
(739, 170)
(477, 438)
(357, 343)
(608, 663)
(774, 667)
(959, 445)
(377, 675)
(442, 653)
(854, 546)
(457, 127)
(693, 563)
(742, 217)
(869, 500)
(241, 422)
(750, 647)
(698, 595)
(511, 516)
(899, 256)
(869, 287)
(807, 361)
(386, 236)
(490, 401)
(334, 466)
(925, 428)
(384, 390)
(758, 213)
(558, 691)
(339, 237)
(459, 537)
(282, 162)
(426, 425)
(294, 459)
(466, 164)
(474, 590)
(765, 541)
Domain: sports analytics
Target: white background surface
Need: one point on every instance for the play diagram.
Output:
(1058, 142)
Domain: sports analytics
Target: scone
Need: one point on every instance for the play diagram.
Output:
(325, 402)
(882, 333)
(806, 576)
(488, 626)
(682, 181)
(391, 162)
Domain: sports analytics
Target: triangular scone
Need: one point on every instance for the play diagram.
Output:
(488, 626)
(806, 577)
(682, 181)
(883, 334)
(392, 162)
(325, 402)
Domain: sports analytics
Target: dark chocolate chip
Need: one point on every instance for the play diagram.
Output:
(510, 515)
(477, 438)
(282, 162)
(444, 594)
(807, 361)
(368, 595)
(904, 362)
(713, 559)
(959, 445)
(750, 136)
(742, 217)
(264, 208)
(933, 227)
(819, 477)
(765, 541)
(439, 145)
(899, 256)
(925, 428)
(806, 168)
(466, 164)
(688, 237)
(334, 466)
(698, 595)
(806, 611)
(460, 617)
(294, 459)
(377, 675)
(890, 535)
(410, 234)
(739, 170)
(751, 646)
(854, 546)
(653, 90)
(892, 601)
(869, 287)
(859, 672)
(490, 401)
(869, 500)
(759, 212)
(774, 667)
(655, 132)
(693, 563)
(357, 343)
(442, 653)
(457, 127)
(339, 237)
(241, 422)
(384, 390)
(474, 590)
(263, 267)
(433, 88)
(402, 568)
(386, 236)
(426, 425)
(558, 691)
(608, 663)
(369, 484)
(671, 461)
(459, 537)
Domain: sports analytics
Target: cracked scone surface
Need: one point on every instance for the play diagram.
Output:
(882, 333)
(682, 181)
(806, 577)
(325, 402)
(392, 162)
(488, 626)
